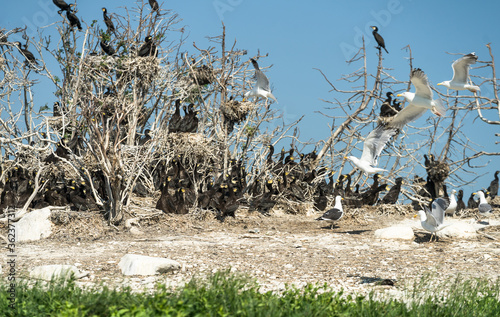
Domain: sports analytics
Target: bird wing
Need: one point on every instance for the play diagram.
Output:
(461, 68)
(333, 214)
(484, 208)
(439, 206)
(375, 143)
(408, 114)
(421, 83)
(262, 81)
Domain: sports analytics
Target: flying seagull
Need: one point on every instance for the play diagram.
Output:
(379, 39)
(261, 88)
(461, 74)
(334, 214)
(484, 208)
(432, 220)
(373, 146)
(419, 101)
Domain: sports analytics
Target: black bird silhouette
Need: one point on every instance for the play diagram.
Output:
(146, 138)
(175, 119)
(154, 5)
(378, 38)
(61, 4)
(107, 48)
(73, 19)
(471, 203)
(460, 201)
(148, 48)
(30, 58)
(108, 21)
(386, 109)
(493, 188)
(392, 196)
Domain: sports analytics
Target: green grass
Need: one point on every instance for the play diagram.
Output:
(225, 294)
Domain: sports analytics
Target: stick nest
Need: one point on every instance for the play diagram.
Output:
(204, 74)
(438, 171)
(236, 111)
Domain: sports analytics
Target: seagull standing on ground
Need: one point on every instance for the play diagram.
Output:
(484, 208)
(419, 101)
(432, 220)
(453, 204)
(261, 88)
(334, 214)
(461, 74)
(373, 146)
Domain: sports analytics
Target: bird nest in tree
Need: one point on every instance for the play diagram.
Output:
(438, 171)
(236, 111)
(203, 74)
(127, 67)
(194, 145)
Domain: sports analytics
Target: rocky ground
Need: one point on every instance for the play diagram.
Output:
(276, 249)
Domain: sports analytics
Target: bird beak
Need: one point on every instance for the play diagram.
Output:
(415, 216)
(399, 95)
(439, 84)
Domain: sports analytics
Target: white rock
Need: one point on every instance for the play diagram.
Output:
(34, 226)
(397, 232)
(459, 229)
(56, 271)
(134, 264)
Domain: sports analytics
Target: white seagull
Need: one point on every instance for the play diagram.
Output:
(453, 204)
(461, 74)
(373, 146)
(419, 101)
(334, 214)
(432, 221)
(261, 88)
(484, 208)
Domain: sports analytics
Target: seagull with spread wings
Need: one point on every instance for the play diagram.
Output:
(261, 88)
(461, 74)
(420, 101)
(373, 146)
(432, 220)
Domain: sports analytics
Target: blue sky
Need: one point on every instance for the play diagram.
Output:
(301, 36)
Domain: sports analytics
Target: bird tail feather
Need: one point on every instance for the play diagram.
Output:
(440, 108)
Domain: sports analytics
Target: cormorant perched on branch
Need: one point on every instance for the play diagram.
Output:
(148, 48)
(386, 109)
(175, 119)
(30, 58)
(73, 19)
(107, 48)
(378, 38)
(107, 20)
(154, 5)
(61, 4)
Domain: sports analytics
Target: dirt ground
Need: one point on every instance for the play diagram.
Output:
(276, 249)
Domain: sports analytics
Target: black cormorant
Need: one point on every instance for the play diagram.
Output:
(73, 19)
(154, 5)
(148, 48)
(471, 203)
(386, 109)
(392, 196)
(175, 119)
(30, 58)
(378, 38)
(460, 201)
(107, 20)
(107, 48)
(61, 4)
(493, 188)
